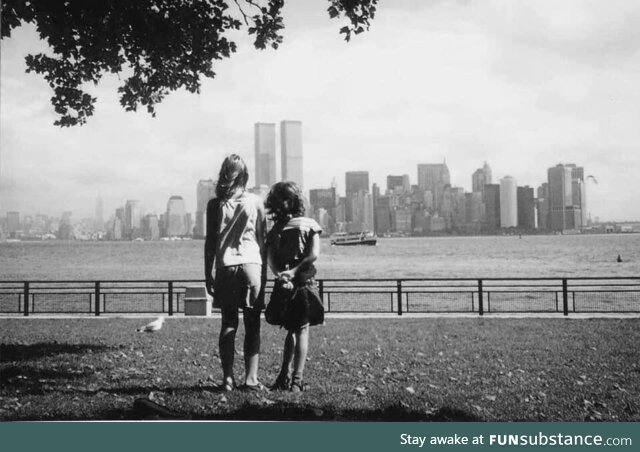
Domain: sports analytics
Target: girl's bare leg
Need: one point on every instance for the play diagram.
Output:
(251, 318)
(300, 355)
(287, 356)
(226, 344)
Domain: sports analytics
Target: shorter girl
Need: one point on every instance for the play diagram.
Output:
(293, 244)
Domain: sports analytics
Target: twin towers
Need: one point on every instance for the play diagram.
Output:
(290, 153)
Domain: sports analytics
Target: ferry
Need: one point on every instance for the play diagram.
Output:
(353, 238)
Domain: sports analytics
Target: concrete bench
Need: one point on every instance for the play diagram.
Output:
(196, 301)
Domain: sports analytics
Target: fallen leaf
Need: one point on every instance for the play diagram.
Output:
(410, 390)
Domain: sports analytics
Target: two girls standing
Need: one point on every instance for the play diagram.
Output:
(237, 250)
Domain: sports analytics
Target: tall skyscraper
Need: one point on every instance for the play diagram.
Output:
(508, 202)
(526, 208)
(560, 198)
(578, 189)
(361, 212)
(434, 177)
(132, 219)
(117, 229)
(382, 215)
(480, 178)
(150, 227)
(265, 153)
(474, 211)
(175, 217)
(205, 191)
(291, 151)
(458, 210)
(491, 208)
(542, 206)
(356, 181)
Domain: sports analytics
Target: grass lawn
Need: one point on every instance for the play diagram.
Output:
(432, 369)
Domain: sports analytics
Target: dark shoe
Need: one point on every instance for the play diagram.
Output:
(297, 386)
(282, 383)
(225, 386)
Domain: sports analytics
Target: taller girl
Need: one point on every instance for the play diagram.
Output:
(235, 267)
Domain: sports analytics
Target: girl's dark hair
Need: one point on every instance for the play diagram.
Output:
(233, 175)
(285, 201)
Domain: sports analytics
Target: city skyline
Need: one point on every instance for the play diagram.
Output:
(432, 206)
(523, 86)
(553, 195)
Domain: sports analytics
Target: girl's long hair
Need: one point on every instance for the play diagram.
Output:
(233, 176)
(285, 201)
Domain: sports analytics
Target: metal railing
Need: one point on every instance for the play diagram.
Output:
(408, 295)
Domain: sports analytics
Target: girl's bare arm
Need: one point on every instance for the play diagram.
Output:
(314, 252)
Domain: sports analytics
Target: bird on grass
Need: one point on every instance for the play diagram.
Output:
(152, 326)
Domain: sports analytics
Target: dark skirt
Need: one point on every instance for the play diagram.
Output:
(292, 309)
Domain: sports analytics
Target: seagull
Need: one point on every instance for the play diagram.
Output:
(153, 326)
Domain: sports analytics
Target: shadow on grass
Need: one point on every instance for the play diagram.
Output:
(393, 413)
(144, 409)
(22, 352)
(29, 380)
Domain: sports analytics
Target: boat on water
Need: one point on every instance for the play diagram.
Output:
(353, 238)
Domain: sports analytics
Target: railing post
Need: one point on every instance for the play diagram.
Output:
(170, 298)
(399, 297)
(480, 298)
(26, 298)
(321, 290)
(565, 297)
(96, 300)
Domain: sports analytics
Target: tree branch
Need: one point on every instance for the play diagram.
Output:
(244, 16)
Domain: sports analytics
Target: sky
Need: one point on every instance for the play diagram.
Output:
(522, 85)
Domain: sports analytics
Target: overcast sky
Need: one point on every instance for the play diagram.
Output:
(523, 85)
